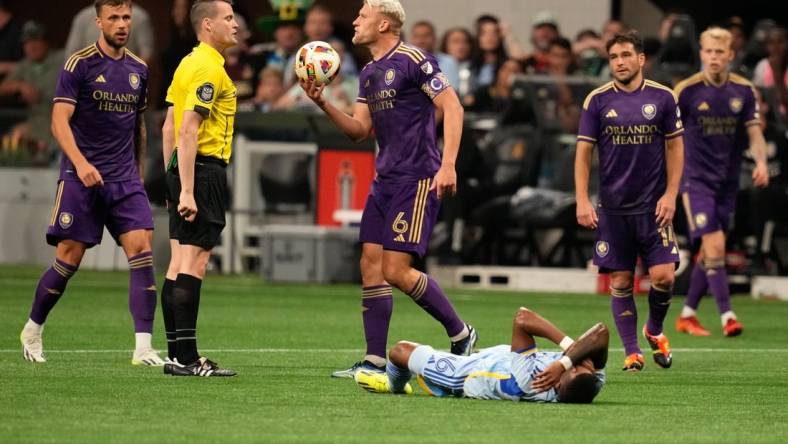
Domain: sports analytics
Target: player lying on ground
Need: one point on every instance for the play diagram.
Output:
(507, 372)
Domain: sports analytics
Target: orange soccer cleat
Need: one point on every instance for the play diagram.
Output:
(660, 347)
(732, 328)
(691, 325)
(634, 363)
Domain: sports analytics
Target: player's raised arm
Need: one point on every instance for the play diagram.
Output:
(586, 214)
(528, 323)
(187, 154)
(357, 127)
(61, 115)
(448, 105)
(591, 345)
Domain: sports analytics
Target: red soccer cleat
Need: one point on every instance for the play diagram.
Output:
(691, 325)
(634, 363)
(732, 328)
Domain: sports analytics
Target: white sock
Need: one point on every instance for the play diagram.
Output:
(376, 360)
(727, 315)
(31, 325)
(687, 312)
(143, 341)
(461, 335)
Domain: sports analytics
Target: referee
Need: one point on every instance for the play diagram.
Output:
(197, 145)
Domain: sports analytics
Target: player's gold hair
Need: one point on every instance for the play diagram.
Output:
(392, 9)
(717, 33)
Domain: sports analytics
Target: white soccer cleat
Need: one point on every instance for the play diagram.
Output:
(148, 356)
(32, 345)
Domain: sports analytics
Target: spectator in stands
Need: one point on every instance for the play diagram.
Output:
(182, 40)
(772, 68)
(589, 50)
(84, 32)
(269, 90)
(495, 98)
(562, 64)
(286, 27)
(457, 43)
(610, 29)
(10, 41)
(33, 81)
(422, 36)
(736, 27)
(319, 25)
(489, 51)
(543, 32)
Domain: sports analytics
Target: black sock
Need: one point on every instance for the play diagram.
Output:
(186, 303)
(169, 317)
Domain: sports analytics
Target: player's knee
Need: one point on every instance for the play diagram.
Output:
(663, 281)
(70, 253)
(394, 274)
(622, 282)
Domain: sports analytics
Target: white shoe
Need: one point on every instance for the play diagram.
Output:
(32, 345)
(148, 357)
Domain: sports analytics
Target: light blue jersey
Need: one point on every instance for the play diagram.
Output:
(492, 373)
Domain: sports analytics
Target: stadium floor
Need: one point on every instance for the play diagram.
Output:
(285, 340)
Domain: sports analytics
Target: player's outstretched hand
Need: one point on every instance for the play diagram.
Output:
(760, 175)
(445, 182)
(187, 207)
(586, 214)
(549, 377)
(313, 91)
(666, 208)
(89, 175)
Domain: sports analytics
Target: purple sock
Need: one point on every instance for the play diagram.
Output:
(50, 287)
(376, 303)
(698, 286)
(142, 292)
(718, 284)
(658, 304)
(430, 297)
(626, 316)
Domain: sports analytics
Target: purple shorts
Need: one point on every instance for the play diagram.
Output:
(400, 216)
(708, 212)
(620, 239)
(81, 213)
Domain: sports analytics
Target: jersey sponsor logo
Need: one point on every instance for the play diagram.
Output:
(703, 106)
(65, 220)
(390, 74)
(611, 114)
(427, 68)
(649, 110)
(205, 92)
(735, 104)
(134, 80)
(602, 248)
(101, 79)
(701, 220)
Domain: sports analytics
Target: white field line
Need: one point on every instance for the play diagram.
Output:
(361, 350)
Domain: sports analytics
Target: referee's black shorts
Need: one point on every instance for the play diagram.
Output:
(212, 197)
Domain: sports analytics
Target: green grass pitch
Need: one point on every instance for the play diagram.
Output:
(285, 340)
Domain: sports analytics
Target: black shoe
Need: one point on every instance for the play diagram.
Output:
(201, 367)
(464, 347)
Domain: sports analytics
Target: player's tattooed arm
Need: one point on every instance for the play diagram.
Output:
(527, 324)
(140, 144)
(357, 127)
(61, 115)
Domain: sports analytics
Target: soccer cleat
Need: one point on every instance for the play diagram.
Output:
(634, 363)
(464, 347)
(660, 347)
(691, 326)
(350, 372)
(376, 382)
(732, 328)
(148, 357)
(201, 367)
(32, 345)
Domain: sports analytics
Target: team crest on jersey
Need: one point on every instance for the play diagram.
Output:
(649, 110)
(427, 67)
(65, 220)
(735, 104)
(390, 74)
(701, 220)
(205, 92)
(602, 248)
(134, 80)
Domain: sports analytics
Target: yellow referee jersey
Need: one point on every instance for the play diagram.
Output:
(201, 84)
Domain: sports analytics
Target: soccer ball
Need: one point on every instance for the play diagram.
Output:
(317, 61)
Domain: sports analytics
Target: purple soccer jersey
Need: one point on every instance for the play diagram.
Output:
(399, 89)
(715, 121)
(107, 95)
(630, 130)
